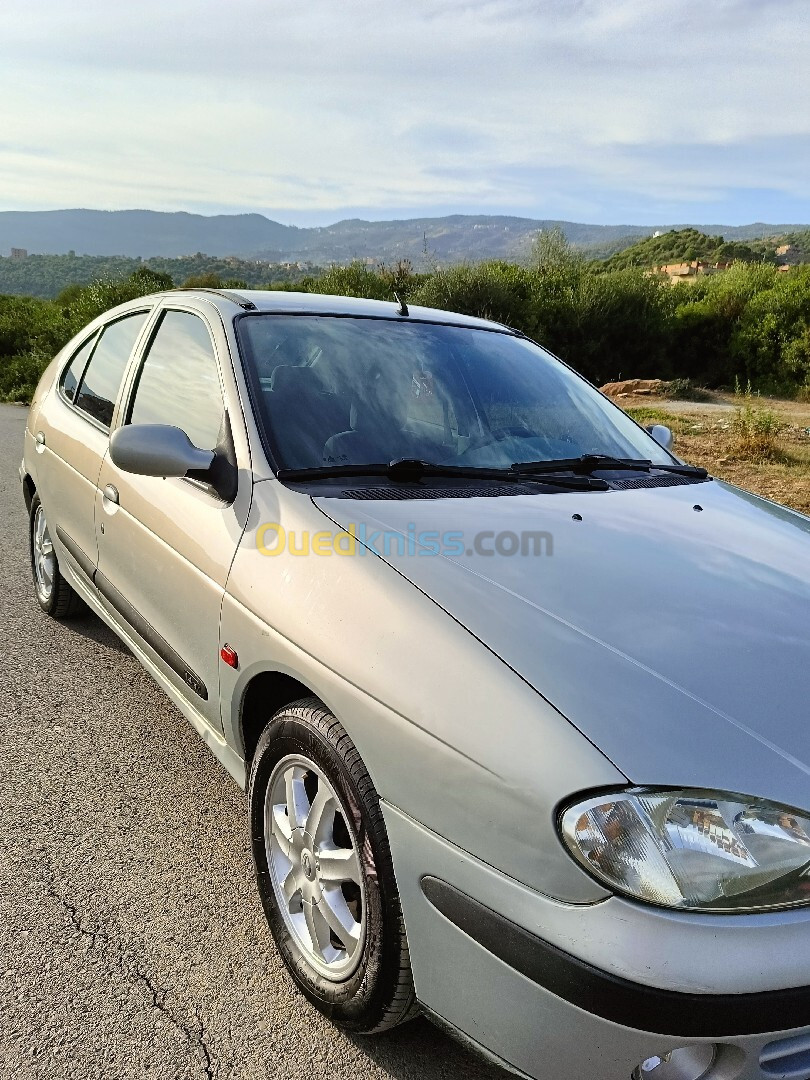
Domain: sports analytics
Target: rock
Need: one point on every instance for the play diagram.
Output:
(633, 386)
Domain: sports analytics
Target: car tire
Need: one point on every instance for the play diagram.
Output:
(342, 940)
(54, 595)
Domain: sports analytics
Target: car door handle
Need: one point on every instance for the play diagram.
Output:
(40, 437)
(110, 493)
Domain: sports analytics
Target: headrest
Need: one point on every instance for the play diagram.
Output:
(381, 404)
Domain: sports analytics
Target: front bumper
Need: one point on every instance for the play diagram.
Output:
(513, 972)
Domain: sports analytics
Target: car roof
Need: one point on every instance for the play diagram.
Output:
(232, 301)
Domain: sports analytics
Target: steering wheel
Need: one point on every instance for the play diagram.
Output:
(486, 438)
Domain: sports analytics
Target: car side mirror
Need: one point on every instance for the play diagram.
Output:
(662, 435)
(158, 450)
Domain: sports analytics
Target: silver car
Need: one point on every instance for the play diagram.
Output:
(520, 700)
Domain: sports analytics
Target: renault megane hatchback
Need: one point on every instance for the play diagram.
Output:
(520, 700)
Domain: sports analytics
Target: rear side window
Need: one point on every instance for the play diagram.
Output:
(75, 369)
(99, 387)
(179, 381)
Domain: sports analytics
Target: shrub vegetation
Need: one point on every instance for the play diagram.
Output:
(750, 323)
(683, 245)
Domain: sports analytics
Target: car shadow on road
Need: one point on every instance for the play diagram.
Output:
(420, 1051)
(88, 625)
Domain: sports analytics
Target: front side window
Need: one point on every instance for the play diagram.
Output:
(101, 382)
(179, 381)
(352, 391)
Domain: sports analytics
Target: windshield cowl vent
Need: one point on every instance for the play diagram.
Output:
(672, 480)
(403, 492)
(415, 491)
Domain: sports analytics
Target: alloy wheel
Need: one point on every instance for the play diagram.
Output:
(44, 557)
(314, 862)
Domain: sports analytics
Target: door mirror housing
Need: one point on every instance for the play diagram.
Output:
(662, 435)
(159, 450)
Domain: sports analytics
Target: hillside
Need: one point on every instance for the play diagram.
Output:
(682, 245)
(800, 240)
(46, 276)
(135, 233)
(452, 239)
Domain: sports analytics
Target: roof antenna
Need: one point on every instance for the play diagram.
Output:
(403, 307)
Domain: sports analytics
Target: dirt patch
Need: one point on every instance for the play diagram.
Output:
(687, 407)
(704, 435)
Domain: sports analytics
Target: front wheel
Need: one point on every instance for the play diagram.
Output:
(324, 871)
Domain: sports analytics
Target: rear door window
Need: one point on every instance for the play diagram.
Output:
(73, 372)
(101, 382)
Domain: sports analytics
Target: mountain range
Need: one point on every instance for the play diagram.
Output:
(147, 233)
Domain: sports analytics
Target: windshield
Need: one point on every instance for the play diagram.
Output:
(332, 390)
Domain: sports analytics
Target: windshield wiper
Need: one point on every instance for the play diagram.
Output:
(589, 463)
(409, 470)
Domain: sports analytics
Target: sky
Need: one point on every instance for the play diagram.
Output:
(604, 111)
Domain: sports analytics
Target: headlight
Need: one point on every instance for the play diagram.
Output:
(693, 850)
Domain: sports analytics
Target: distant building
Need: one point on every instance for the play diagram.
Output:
(684, 270)
(788, 255)
(679, 271)
(19, 253)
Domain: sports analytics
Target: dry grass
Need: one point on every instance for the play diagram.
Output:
(762, 445)
(755, 434)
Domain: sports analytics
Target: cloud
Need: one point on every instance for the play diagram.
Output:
(497, 104)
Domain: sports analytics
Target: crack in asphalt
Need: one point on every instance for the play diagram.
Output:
(132, 970)
(203, 1052)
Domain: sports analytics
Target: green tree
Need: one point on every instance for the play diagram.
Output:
(552, 252)
(208, 280)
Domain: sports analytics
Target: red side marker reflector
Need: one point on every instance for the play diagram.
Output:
(228, 656)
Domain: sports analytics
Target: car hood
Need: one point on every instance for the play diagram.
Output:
(670, 625)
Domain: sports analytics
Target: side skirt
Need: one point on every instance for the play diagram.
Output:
(221, 750)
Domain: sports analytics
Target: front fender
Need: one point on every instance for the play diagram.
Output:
(448, 732)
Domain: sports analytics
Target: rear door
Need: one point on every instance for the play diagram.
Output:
(73, 432)
(166, 545)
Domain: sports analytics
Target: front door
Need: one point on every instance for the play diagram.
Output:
(166, 545)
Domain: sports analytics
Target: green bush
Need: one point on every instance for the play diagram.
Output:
(755, 433)
(607, 326)
(500, 291)
(770, 344)
(213, 281)
(33, 331)
(707, 314)
(686, 390)
(749, 323)
(354, 280)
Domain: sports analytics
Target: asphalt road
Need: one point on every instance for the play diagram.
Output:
(132, 941)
